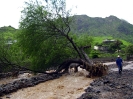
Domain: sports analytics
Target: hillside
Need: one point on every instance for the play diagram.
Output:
(109, 26)
(8, 32)
(95, 26)
(7, 29)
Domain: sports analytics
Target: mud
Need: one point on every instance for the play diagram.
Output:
(77, 86)
(113, 85)
(69, 86)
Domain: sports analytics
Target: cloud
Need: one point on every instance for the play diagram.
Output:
(10, 12)
(123, 9)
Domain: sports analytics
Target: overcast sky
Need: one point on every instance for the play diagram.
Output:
(10, 9)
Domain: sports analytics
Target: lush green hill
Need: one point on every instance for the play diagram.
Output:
(109, 26)
(94, 26)
(8, 32)
(7, 29)
(100, 40)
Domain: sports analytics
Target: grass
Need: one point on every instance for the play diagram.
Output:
(126, 43)
(100, 40)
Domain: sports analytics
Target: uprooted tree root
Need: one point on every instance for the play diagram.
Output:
(97, 69)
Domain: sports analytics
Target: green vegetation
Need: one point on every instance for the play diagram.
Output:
(100, 40)
(45, 39)
(16, 55)
(129, 50)
(110, 27)
(7, 43)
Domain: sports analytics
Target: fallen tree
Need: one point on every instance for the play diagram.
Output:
(96, 69)
(46, 39)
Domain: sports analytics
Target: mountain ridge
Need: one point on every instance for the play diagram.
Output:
(108, 26)
(95, 26)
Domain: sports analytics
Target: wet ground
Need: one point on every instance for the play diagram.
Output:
(66, 87)
(72, 86)
(11, 79)
(113, 85)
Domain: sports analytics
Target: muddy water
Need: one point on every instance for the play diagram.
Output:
(11, 79)
(66, 87)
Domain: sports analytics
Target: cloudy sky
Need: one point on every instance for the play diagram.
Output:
(10, 9)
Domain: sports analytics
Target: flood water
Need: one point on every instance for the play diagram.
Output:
(70, 86)
(128, 67)
(66, 87)
(11, 79)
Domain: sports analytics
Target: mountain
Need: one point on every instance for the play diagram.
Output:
(8, 32)
(109, 26)
(94, 26)
(7, 29)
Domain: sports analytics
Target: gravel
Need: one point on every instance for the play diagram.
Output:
(24, 83)
(111, 86)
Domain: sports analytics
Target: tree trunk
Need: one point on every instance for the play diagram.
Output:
(74, 46)
(86, 57)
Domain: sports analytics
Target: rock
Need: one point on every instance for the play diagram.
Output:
(89, 89)
(106, 81)
(88, 96)
(113, 85)
(25, 82)
(7, 96)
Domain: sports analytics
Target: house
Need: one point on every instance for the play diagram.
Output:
(10, 42)
(101, 48)
(104, 46)
(108, 41)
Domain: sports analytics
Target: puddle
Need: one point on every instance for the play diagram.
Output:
(66, 87)
(128, 67)
(109, 63)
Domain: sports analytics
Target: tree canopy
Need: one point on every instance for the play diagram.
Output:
(129, 50)
(46, 39)
(45, 35)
